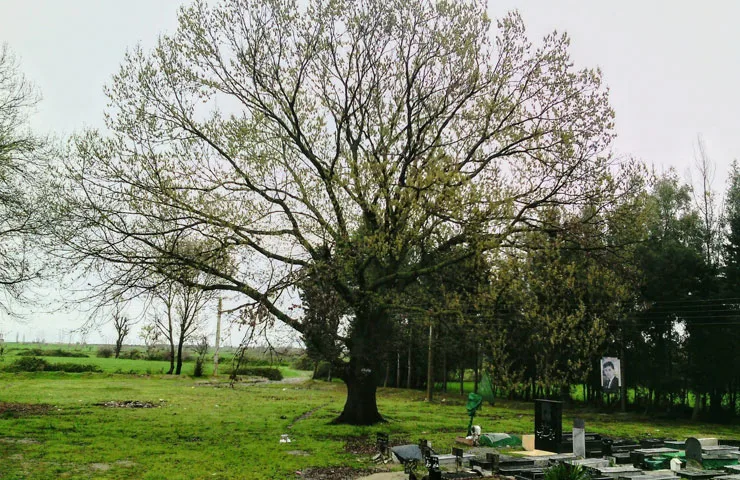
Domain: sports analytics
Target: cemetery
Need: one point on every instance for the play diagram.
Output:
(600, 457)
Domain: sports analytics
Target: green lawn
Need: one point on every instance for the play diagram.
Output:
(204, 429)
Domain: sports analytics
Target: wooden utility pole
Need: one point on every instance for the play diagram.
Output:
(430, 359)
(218, 335)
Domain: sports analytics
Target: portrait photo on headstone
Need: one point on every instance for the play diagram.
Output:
(610, 374)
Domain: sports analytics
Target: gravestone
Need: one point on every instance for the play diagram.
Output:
(579, 438)
(548, 426)
(458, 453)
(432, 464)
(381, 442)
(693, 449)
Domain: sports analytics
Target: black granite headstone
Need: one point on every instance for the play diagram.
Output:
(548, 425)
(693, 449)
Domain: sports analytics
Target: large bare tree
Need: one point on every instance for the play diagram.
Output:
(357, 142)
(20, 218)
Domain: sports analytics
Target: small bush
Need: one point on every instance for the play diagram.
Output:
(73, 368)
(35, 364)
(132, 354)
(198, 370)
(29, 364)
(159, 354)
(58, 352)
(303, 363)
(323, 372)
(268, 373)
(31, 352)
(564, 471)
(104, 352)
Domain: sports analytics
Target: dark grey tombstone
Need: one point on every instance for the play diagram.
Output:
(548, 425)
(493, 458)
(693, 449)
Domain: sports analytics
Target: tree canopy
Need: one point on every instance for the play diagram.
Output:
(366, 140)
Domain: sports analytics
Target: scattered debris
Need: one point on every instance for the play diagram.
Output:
(127, 404)
(334, 473)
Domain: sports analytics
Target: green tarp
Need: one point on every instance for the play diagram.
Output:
(499, 440)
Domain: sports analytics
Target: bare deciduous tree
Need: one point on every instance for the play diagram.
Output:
(122, 324)
(20, 214)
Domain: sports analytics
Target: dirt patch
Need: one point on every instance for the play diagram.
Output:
(128, 404)
(100, 467)
(19, 441)
(125, 463)
(15, 410)
(335, 473)
(366, 445)
(298, 453)
(306, 415)
(360, 445)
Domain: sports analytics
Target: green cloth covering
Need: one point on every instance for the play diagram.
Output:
(499, 440)
(486, 388)
(474, 401)
(658, 463)
(717, 463)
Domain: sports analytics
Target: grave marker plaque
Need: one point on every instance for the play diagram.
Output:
(548, 425)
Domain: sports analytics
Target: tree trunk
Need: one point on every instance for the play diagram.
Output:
(172, 358)
(444, 371)
(430, 365)
(361, 407)
(178, 368)
(362, 373)
(408, 362)
(476, 371)
(398, 368)
(697, 406)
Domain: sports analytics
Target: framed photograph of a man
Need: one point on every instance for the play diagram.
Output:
(610, 374)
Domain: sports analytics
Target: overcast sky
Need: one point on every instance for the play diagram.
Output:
(673, 69)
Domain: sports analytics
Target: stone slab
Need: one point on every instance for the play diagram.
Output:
(678, 444)
(719, 449)
(734, 469)
(709, 441)
(589, 462)
(620, 458)
(537, 453)
(651, 477)
(615, 472)
(655, 451)
(450, 459)
(693, 474)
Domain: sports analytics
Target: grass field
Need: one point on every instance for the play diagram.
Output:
(52, 425)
